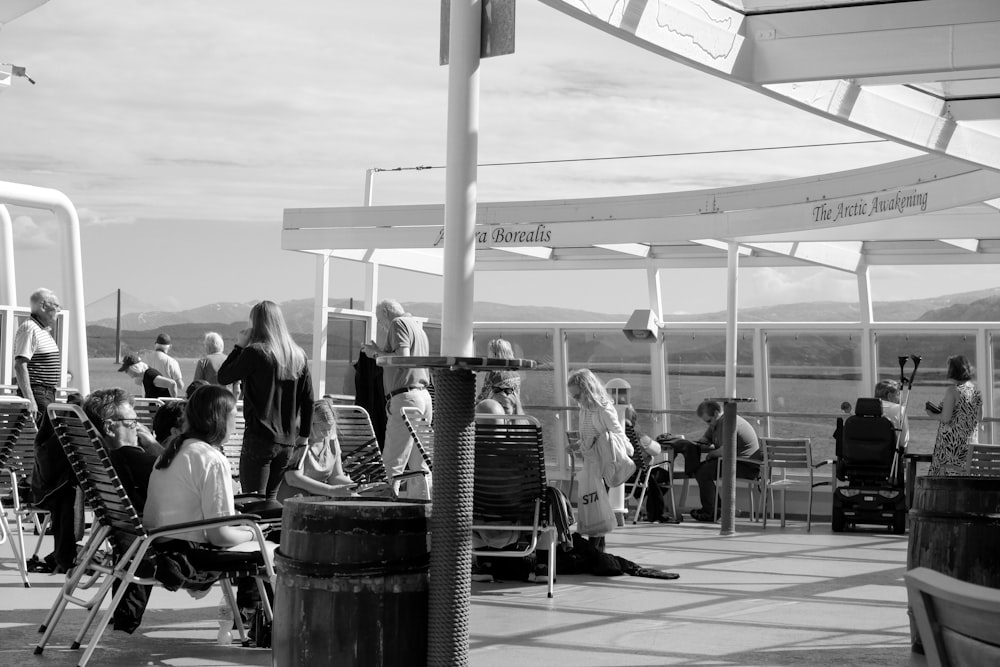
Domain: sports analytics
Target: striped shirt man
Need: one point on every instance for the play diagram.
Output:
(34, 343)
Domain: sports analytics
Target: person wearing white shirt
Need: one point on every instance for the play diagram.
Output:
(160, 361)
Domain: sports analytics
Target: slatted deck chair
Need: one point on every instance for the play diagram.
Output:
(422, 432)
(145, 410)
(983, 461)
(115, 517)
(509, 492)
(234, 445)
(359, 450)
(957, 621)
(780, 456)
(754, 486)
(15, 467)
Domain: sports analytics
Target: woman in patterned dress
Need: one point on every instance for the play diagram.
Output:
(961, 411)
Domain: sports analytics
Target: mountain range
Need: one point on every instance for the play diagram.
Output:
(187, 327)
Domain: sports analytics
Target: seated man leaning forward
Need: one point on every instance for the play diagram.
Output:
(133, 452)
(154, 383)
(710, 443)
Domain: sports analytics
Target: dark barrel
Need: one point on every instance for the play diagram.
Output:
(955, 529)
(352, 583)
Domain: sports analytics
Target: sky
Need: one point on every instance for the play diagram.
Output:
(182, 130)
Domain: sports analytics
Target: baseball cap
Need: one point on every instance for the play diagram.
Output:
(163, 339)
(128, 361)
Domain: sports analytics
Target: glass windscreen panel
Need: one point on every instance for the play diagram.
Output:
(930, 381)
(810, 376)
(610, 355)
(343, 346)
(696, 370)
(992, 433)
(433, 331)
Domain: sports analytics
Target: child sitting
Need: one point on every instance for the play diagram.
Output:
(315, 469)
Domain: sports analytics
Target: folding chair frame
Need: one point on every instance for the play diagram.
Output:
(17, 434)
(489, 432)
(114, 515)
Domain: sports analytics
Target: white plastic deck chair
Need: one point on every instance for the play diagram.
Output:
(422, 432)
(145, 410)
(114, 515)
(509, 491)
(14, 421)
(957, 621)
(782, 455)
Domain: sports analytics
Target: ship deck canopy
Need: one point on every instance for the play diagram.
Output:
(919, 211)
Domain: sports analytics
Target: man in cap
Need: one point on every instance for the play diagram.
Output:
(161, 361)
(154, 383)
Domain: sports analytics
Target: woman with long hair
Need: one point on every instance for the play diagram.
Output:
(191, 480)
(503, 386)
(277, 397)
(597, 416)
(960, 413)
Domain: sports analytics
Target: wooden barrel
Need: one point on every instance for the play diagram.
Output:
(955, 529)
(352, 583)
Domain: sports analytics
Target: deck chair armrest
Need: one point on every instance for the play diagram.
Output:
(825, 462)
(234, 520)
(745, 459)
(410, 473)
(504, 527)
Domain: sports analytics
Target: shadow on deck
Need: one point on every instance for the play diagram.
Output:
(775, 597)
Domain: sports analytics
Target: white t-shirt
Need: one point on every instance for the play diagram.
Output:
(893, 412)
(196, 485)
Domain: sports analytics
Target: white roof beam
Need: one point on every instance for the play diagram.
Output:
(742, 251)
(920, 52)
(843, 257)
(541, 252)
(972, 110)
(972, 245)
(633, 249)
(711, 214)
(411, 260)
(712, 38)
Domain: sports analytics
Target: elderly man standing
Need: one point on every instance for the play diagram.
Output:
(163, 363)
(36, 359)
(402, 335)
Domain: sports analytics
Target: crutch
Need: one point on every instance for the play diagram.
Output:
(905, 385)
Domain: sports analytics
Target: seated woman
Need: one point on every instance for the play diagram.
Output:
(192, 480)
(315, 468)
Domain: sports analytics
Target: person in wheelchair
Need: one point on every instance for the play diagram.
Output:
(887, 391)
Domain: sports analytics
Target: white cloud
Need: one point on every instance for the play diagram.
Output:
(774, 286)
(30, 234)
(91, 217)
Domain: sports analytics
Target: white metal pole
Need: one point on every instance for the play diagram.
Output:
(658, 367)
(52, 200)
(321, 323)
(8, 284)
(728, 491)
(78, 364)
(732, 281)
(460, 178)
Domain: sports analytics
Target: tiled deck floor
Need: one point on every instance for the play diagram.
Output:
(774, 597)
